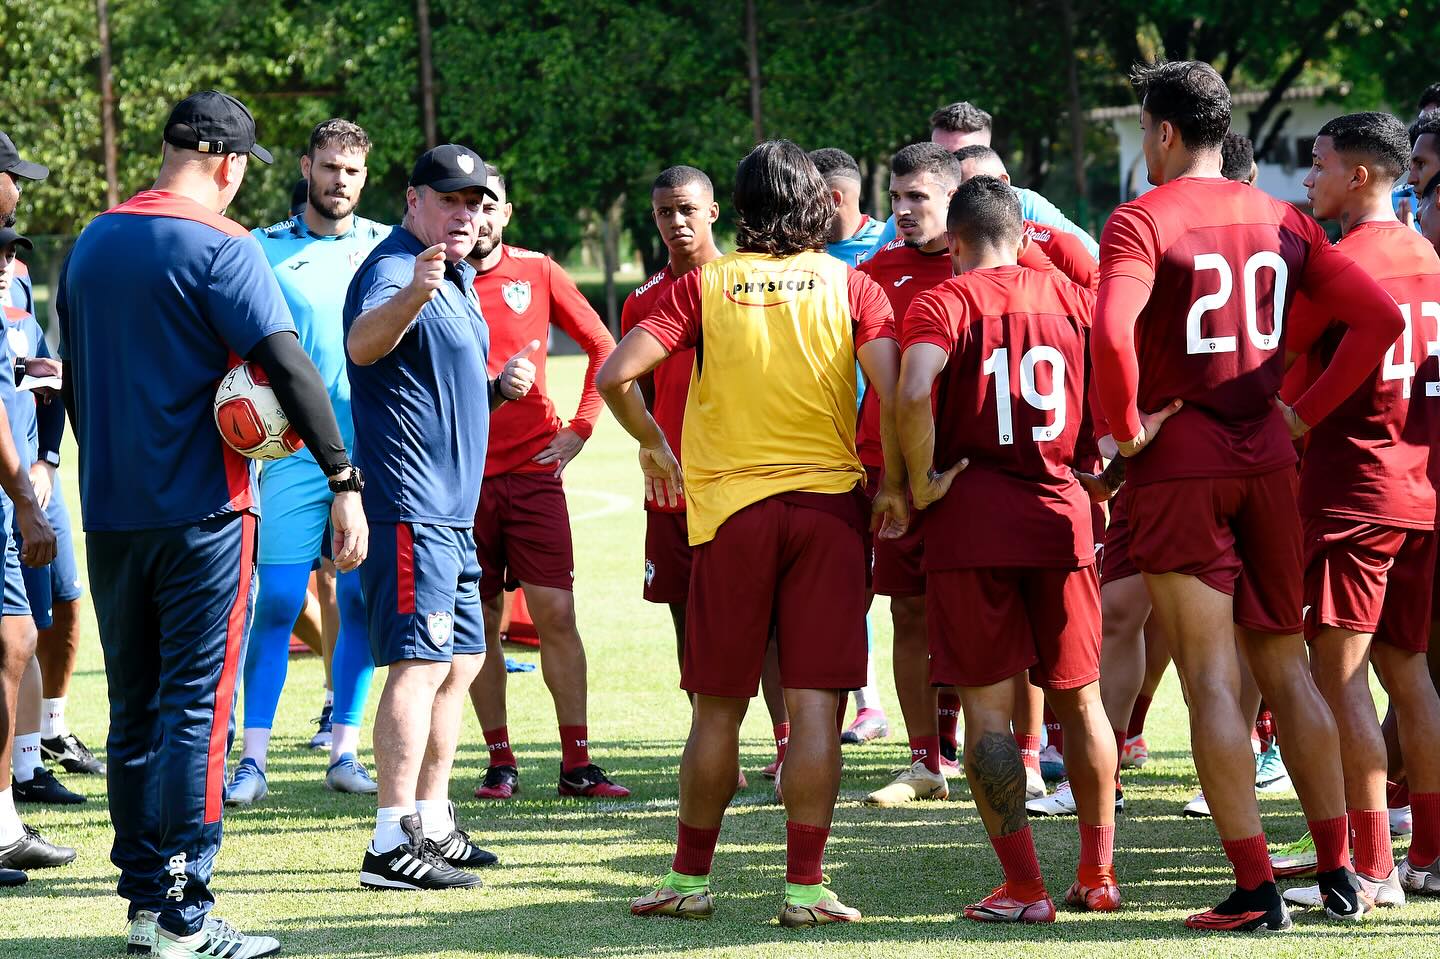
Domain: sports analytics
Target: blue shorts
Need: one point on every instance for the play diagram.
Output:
(422, 593)
(60, 581)
(295, 503)
(16, 602)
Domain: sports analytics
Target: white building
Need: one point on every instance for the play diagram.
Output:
(1291, 130)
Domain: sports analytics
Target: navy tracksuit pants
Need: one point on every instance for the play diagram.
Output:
(173, 607)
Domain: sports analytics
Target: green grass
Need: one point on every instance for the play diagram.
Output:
(289, 866)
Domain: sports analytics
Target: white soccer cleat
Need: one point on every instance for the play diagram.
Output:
(1059, 803)
(217, 940)
(1401, 822)
(140, 938)
(912, 783)
(1385, 893)
(1034, 784)
(1423, 880)
(1197, 808)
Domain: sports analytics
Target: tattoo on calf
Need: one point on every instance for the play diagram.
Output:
(1000, 773)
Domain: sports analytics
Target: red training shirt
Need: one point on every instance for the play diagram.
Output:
(1197, 278)
(671, 377)
(520, 297)
(903, 272)
(1066, 253)
(1367, 460)
(1011, 398)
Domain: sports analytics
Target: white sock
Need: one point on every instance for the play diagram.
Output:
(435, 817)
(329, 697)
(52, 718)
(344, 739)
(25, 757)
(257, 745)
(10, 828)
(388, 833)
(869, 696)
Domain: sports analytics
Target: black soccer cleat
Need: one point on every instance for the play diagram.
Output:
(412, 865)
(500, 782)
(12, 877)
(31, 851)
(1246, 910)
(1341, 895)
(72, 755)
(589, 782)
(459, 851)
(43, 787)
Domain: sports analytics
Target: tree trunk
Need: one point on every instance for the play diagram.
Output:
(107, 107)
(752, 51)
(427, 73)
(1077, 115)
(610, 247)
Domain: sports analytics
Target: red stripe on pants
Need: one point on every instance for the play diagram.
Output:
(404, 570)
(225, 690)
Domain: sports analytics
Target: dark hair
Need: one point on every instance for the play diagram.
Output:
(1237, 155)
(1430, 97)
(1429, 123)
(1377, 137)
(782, 206)
(1190, 95)
(673, 178)
(926, 158)
(494, 174)
(339, 133)
(962, 117)
(299, 196)
(975, 151)
(984, 210)
(834, 163)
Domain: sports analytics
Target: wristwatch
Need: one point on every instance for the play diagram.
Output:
(52, 457)
(353, 483)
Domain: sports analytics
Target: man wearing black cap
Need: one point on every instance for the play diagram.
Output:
(418, 347)
(159, 298)
(20, 847)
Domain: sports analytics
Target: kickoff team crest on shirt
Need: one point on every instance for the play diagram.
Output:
(440, 626)
(517, 295)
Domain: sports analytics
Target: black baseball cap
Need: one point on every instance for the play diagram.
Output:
(10, 162)
(8, 235)
(214, 122)
(450, 168)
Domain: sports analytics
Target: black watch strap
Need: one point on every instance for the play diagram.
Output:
(353, 483)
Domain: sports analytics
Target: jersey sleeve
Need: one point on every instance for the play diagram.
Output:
(629, 314)
(675, 321)
(1072, 259)
(243, 299)
(928, 321)
(574, 315)
(387, 276)
(870, 309)
(1129, 254)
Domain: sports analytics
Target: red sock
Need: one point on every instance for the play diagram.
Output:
(1397, 795)
(1251, 859)
(804, 852)
(1332, 843)
(1029, 750)
(1265, 726)
(1054, 735)
(695, 850)
(949, 715)
(1137, 716)
(497, 741)
(574, 747)
(1373, 853)
(1097, 855)
(1425, 834)
(1017, 860)
(926, 749)
(782, 739)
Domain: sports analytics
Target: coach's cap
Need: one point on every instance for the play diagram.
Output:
(10, 162)
(450, 168)
(9, 236)
(214, 122)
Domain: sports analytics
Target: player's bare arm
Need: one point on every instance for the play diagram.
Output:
(880, 361)
(379, 330)
(638, 353)
(915, 423)
(35, 529)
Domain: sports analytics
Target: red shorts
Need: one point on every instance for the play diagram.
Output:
(1369, 578)
(896, 564)
(989, 624)
(522, 534)
(1115, 562)
(799, 569)
(1239, 535)
(667, 558)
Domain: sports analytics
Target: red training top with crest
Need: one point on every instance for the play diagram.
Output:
(671, 377)
(1011, 398)
(520, 297)
(903, 272)
(1367, 460)
(1207, 269)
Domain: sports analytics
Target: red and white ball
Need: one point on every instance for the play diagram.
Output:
(249, 417)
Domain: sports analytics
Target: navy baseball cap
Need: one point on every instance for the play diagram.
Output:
(450, 168)
(8, 235)
(214, 122)
(11, 163)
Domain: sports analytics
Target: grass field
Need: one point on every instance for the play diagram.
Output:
(289, 866)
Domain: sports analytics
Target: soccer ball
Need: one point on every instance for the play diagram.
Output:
(249, 417)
